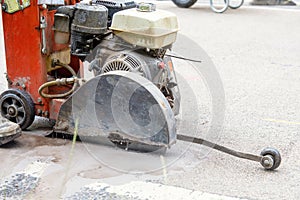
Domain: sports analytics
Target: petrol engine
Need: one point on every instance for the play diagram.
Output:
(136, 41)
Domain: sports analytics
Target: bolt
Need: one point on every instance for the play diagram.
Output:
(11, 111)
(39, 100)
(66, 127)
(267, 163)
(39, 112)
(54, 62)
(23, 86)
(161, 65)
(3, 7)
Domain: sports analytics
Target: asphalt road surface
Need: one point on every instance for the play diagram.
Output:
(255, 51)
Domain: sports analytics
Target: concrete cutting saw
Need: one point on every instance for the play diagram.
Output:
(132, 97)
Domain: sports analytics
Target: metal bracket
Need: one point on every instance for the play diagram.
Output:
(269, 158)
(43, 26)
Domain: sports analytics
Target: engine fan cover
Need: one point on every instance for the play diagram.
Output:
(126, 62)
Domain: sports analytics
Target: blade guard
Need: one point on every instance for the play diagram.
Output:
(119, 106)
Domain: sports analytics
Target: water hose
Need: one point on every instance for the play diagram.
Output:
(63, 81)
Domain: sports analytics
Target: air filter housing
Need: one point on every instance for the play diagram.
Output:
(90, 19)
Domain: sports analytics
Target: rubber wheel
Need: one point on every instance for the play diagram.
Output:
(18, 107)
(274, 154)
(221, 8)
(184, 3)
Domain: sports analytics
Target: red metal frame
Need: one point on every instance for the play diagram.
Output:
(26, 65)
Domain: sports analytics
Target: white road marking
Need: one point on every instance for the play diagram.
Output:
(282, 121)
(147, 190)
(36, 168)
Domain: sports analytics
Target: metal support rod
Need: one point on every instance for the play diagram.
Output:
(219, 148)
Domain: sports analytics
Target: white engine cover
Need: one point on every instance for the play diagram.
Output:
(155, 29)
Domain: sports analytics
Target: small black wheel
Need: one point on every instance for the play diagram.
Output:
(18, 107)
(271, 158)
(184, 3)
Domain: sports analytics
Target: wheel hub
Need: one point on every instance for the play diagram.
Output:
(12, 111)
(267, 161)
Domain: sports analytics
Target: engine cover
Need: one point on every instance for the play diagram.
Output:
(152, 29)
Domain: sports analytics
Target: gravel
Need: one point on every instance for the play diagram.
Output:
(17, 186)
